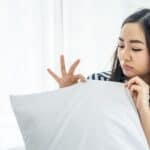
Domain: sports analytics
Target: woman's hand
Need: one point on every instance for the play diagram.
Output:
(139, 90)
(67, 78)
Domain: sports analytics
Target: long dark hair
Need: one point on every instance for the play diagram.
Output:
(142, 17)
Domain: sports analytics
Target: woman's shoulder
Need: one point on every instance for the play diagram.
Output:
(105, 76)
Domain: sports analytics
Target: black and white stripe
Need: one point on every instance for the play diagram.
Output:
(105, 76)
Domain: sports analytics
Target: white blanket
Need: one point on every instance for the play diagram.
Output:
(96, 115)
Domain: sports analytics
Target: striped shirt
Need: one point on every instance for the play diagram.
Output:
(105, 76)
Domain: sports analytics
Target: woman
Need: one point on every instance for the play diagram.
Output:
(131, 65)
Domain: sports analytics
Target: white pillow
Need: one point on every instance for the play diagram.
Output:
(96, 115)
(17, 148)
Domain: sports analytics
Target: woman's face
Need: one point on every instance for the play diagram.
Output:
(133, 52)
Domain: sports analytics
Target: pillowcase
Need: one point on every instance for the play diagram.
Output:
(97, 115)
(17, 148)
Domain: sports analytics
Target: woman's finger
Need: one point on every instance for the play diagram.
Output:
(73, 66)
(135, 80)
(53, 75)
(63, 67)
(81, 77)
(135, 88)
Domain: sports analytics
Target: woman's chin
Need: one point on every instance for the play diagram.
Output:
(128, 74)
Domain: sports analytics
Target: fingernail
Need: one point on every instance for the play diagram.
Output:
(83, 80)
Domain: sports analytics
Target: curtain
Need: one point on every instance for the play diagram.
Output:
(33, 34)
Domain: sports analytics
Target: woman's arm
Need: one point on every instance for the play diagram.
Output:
(140, 93)
(145, 121)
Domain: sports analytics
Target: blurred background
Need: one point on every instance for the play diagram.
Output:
(33, 34)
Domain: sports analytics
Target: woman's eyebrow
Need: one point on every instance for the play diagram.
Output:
(136, 41)
(121, 39)
(132, 41)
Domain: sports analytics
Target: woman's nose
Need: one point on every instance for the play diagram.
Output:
(126, 56)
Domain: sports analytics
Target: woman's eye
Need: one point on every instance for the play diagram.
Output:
(121, 46)
(136, 49)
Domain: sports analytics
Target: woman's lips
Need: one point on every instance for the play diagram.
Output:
(126, 67)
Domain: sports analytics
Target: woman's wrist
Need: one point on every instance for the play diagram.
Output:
(144, 111)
